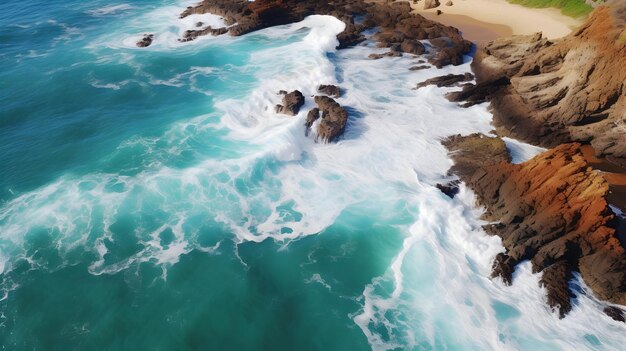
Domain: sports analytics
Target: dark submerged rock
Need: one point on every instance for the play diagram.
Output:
(145, 41)
(615, 313)
(450, 189)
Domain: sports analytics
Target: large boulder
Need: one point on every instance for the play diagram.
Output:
(292, 102)
(333, 120)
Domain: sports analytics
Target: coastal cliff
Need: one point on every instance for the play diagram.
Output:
(567, 90)
(553, 209)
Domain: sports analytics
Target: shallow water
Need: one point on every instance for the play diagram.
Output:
(152, 199)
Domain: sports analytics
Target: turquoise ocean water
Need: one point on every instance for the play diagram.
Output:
(150, 199)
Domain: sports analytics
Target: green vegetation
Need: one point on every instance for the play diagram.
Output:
(572, 8)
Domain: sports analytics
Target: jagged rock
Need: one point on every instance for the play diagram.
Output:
(551, 210)
(451, 189)
(431, 4)
(334, 119)
(311, 117)
(330, 90)
(478, 93)
(503, 267)
(417, 68)
(570, 89)
(447, 80)
(556, 279)
(615, 313)
(145, 41)
(292, 103)
(243, 17)
(449, 3)
(439, 12)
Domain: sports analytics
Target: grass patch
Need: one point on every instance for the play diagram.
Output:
(572, 8)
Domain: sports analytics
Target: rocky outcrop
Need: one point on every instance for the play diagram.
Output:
(551, 210)
(145, 41)
(446, 81)
(399, 29)
(571, 89)
(292, 102)
(333, 119)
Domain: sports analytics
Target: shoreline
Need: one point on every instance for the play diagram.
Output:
(501, 17)
(478, 32)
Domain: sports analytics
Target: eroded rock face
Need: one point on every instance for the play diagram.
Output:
(400, 30)
(551, 210)
(572, 89)
(334, 119)
(292, 102)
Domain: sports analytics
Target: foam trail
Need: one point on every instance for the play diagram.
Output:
(108, 10)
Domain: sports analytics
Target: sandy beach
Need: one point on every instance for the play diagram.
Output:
(483, 20)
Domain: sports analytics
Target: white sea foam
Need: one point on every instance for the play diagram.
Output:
(108, 10)
(520, 151)
(166, 26)
(283, 186)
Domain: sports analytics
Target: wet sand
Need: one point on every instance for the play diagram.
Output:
(521, 20)
(474, 30)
